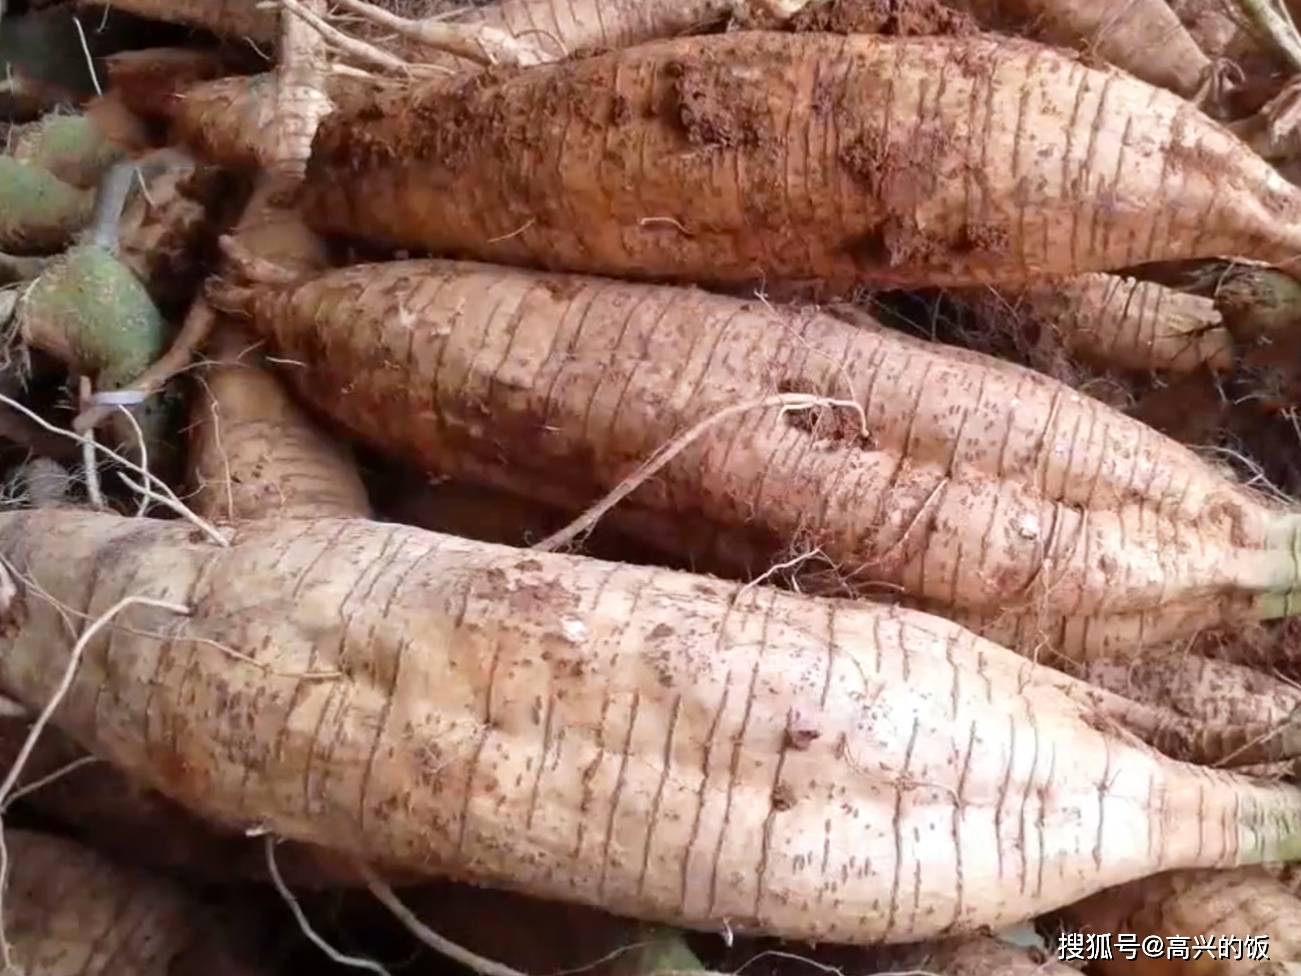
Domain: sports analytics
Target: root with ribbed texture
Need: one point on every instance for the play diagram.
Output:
(755, 157)
(982, 488)
(660, 744)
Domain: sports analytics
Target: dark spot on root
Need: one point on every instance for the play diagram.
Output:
(620, 110)
(825, 422)
(800, 737)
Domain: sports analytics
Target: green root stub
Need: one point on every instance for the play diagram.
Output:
(72, 147)
(39, 213)
(91, 311)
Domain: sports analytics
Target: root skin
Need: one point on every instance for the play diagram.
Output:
(981, 489)
(962, 197)
(439, 747)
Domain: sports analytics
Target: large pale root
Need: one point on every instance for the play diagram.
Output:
(808, 156)
(1143, 37)
(136, 825)
(69, 911)
(1242, 904)
(663, 745)
(981, 487)
(254, 452)
(1114, 321)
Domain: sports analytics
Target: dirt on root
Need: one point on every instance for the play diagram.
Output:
(893, 18)
(831, 424)
(713, 106)
(902, 176)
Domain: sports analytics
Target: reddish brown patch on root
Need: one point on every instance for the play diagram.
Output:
(902, 176)
(895, 18)
(982, 239)
(1230, 512)
(561, 288)
(839, 425)
(800, 736)
(712, 106)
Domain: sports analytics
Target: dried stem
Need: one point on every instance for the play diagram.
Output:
(300, 916)
(144, 455)
(50, 778)
(358, 48)
(89, 461)
(479, 43)
(667, 452)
